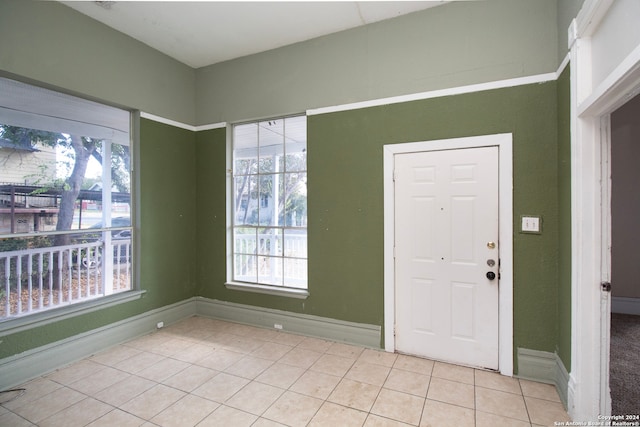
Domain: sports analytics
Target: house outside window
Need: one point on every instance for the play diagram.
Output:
(269, 205)
(65, 200)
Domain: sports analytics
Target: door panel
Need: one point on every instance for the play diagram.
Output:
(446, 211)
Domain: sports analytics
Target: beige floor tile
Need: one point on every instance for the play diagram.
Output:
(344, 350)
(249, 367)
(188, 411)
(355, 394)
(484, 419)
(368, 373)
(271, 351)
(255, 398)
(13, 420)
(539, 390)
(226, 416)
(315, 384)
(501, 403)
(163, 369)
(221, 387)
(398, 406)
(49, 404)
(408, 382)
(220, 359)
(190, 378)
(378, 421)
(242, 345)
(440, 414)
(280, 375)
(451, 372)
(452, 392)
(496, 381)
(118, 418)
(332, 365)
(123, 391)
(153, 401)
(545, 412)
(34, 390)
(263, 422)
(92, 384)
(138, 362)
(170, 346)
(78, 415)
(331, 415)
(414, 364)
(288, 339)
(300, 357)
(193, 353)
(378, 357)
(315, 344)
(115, 355)
(75, 372)
(293, 409)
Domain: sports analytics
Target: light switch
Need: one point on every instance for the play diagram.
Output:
(531, 224)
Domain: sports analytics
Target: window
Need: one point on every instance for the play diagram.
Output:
(65, 200)
(270, 203)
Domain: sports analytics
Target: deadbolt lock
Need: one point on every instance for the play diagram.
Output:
(491, 245)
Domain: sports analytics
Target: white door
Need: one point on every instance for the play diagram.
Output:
(446, 242)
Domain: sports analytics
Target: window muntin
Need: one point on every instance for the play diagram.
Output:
(270, 202)
(65, 200)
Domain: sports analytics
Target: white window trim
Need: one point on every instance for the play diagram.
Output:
(230, 283)
(22, 105)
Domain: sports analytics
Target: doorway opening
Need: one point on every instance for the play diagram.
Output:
(624, 361)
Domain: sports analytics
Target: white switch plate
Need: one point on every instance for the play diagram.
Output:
(531, 224)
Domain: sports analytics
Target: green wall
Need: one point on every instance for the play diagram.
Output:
(50, 43)
(167, 236)
(346, 203)
(564, 222)
(456, 44)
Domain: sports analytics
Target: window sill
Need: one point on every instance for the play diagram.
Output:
(29, 321)
(268, 290)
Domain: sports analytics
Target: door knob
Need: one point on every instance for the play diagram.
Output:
(491, 275)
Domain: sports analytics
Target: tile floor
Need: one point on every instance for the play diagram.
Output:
(204, 372)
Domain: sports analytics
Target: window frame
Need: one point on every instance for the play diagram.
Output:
(119, 126)
(231, 282)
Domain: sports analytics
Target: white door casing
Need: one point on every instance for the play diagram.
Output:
(503, 142)
(446, 210)
(604, 23)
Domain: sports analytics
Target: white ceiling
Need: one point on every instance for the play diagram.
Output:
(200, 33)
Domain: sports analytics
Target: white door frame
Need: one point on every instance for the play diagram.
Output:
(505, 154)
(591, 105)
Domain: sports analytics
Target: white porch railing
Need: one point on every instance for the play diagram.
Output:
(271, 259)
(34, 280)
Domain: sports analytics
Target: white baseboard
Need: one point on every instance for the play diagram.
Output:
(545, 367)
(33, 363)
(20, 368)
(303, 324)
(625, 305)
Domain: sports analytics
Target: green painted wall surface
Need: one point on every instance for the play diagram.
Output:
(167, 236)
(452, 45)
(346, 203)
(564, 222)
(51, 43)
